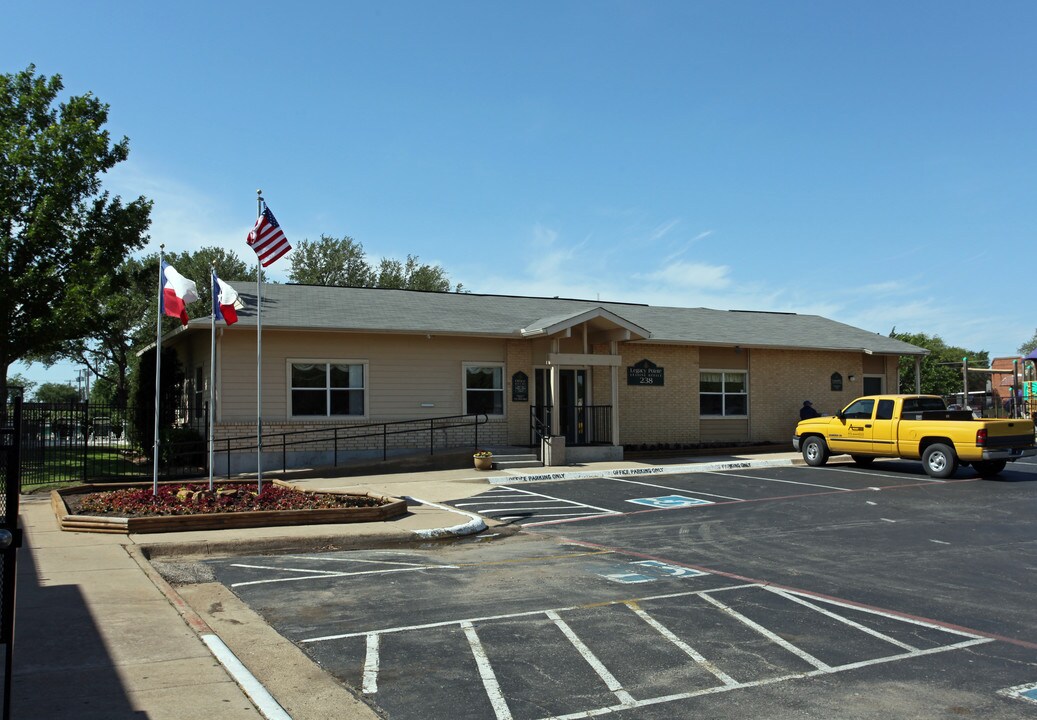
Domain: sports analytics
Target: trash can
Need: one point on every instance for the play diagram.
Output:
(553, 450)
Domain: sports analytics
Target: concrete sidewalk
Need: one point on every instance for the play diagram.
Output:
(100, 635)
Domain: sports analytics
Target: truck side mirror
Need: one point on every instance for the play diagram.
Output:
(841, 416)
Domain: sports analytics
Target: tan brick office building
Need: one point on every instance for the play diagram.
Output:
(623, 374)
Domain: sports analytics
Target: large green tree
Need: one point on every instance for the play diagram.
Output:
(330, 261)
(60, 233)
(342, 262)
(941, 369)
(125, 306)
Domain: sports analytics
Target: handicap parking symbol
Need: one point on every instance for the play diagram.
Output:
(670, 501)
(645, 571)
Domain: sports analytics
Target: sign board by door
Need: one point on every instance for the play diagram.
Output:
(520, 387)
(645, 373)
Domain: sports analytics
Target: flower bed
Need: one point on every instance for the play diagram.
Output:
(134, 508)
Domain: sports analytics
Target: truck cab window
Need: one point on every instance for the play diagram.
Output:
(860, 410)
(885, 410)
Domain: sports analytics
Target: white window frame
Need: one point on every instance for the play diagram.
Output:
(503, 382)
(723, 393)
(327, 363)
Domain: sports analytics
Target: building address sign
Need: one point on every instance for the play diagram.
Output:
(644, 373)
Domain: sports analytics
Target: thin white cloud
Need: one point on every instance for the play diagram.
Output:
(686, 246)
(663, 230)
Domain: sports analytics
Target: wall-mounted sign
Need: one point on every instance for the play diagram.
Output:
(644, 373)
(837, 382)
(520, 387)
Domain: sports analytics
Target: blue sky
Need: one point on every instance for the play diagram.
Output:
(873, 162)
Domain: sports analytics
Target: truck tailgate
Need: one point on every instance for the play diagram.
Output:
(1009, 433)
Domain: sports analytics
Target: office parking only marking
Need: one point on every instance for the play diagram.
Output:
(557, 663)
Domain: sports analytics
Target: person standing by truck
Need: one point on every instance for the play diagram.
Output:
(807, 411)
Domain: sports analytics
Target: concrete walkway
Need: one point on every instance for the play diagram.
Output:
(100, 635)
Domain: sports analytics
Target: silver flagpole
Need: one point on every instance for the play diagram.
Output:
(158, 366)
(212, 373)
(259, 358)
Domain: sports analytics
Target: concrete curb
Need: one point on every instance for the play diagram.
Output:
(260, 697)
(474, 525)
(652, 470)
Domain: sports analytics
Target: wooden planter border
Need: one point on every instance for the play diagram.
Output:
(395, 507)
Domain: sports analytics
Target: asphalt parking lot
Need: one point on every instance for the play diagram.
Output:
(779, 592)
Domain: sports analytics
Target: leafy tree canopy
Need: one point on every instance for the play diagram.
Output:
(60, 235)
(56, 393)
(125, 305)
(941, 369)
(20, 381)
(342, 262)
(1029, 346)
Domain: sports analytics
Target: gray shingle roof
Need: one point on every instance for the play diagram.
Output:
(407, 311)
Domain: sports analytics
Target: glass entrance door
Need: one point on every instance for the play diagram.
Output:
(572, 392)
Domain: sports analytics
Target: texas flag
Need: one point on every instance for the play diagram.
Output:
(177, 292)
(225, 301)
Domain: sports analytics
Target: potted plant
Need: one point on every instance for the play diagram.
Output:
(483, 460)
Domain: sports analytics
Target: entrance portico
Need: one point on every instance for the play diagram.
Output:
(567, 351)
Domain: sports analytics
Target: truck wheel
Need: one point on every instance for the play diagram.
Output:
(989, 468)
(939, 461)
(815, 452)
(862, 460)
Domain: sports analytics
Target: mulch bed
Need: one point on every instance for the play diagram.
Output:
(135, 508)
(197, 499)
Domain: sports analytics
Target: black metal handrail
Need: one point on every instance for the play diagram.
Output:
(581, 424)
(539, 430)
(342, 433)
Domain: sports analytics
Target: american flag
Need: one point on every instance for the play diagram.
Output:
(267, 239)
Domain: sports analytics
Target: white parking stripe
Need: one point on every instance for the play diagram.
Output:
(370, 685)
(489, 679)
(873, 473)
(840, 618)
(547, 515)
(801, 654)
(324, 574)
(611, 682)
(690, 651)
(881, 613)
(627, 702)
(353, 560)
(595, 507)
(508, 616)
(765, 479)
(667, 487)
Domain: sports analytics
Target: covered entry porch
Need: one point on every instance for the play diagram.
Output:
(574, 403)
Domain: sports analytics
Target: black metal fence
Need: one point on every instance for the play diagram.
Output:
(10, 536)
(92, 442)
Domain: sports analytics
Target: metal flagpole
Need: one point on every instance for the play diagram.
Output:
(259, 358)
(158, 367)
(212, 372)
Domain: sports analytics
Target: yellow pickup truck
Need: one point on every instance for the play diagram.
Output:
(915, 427)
